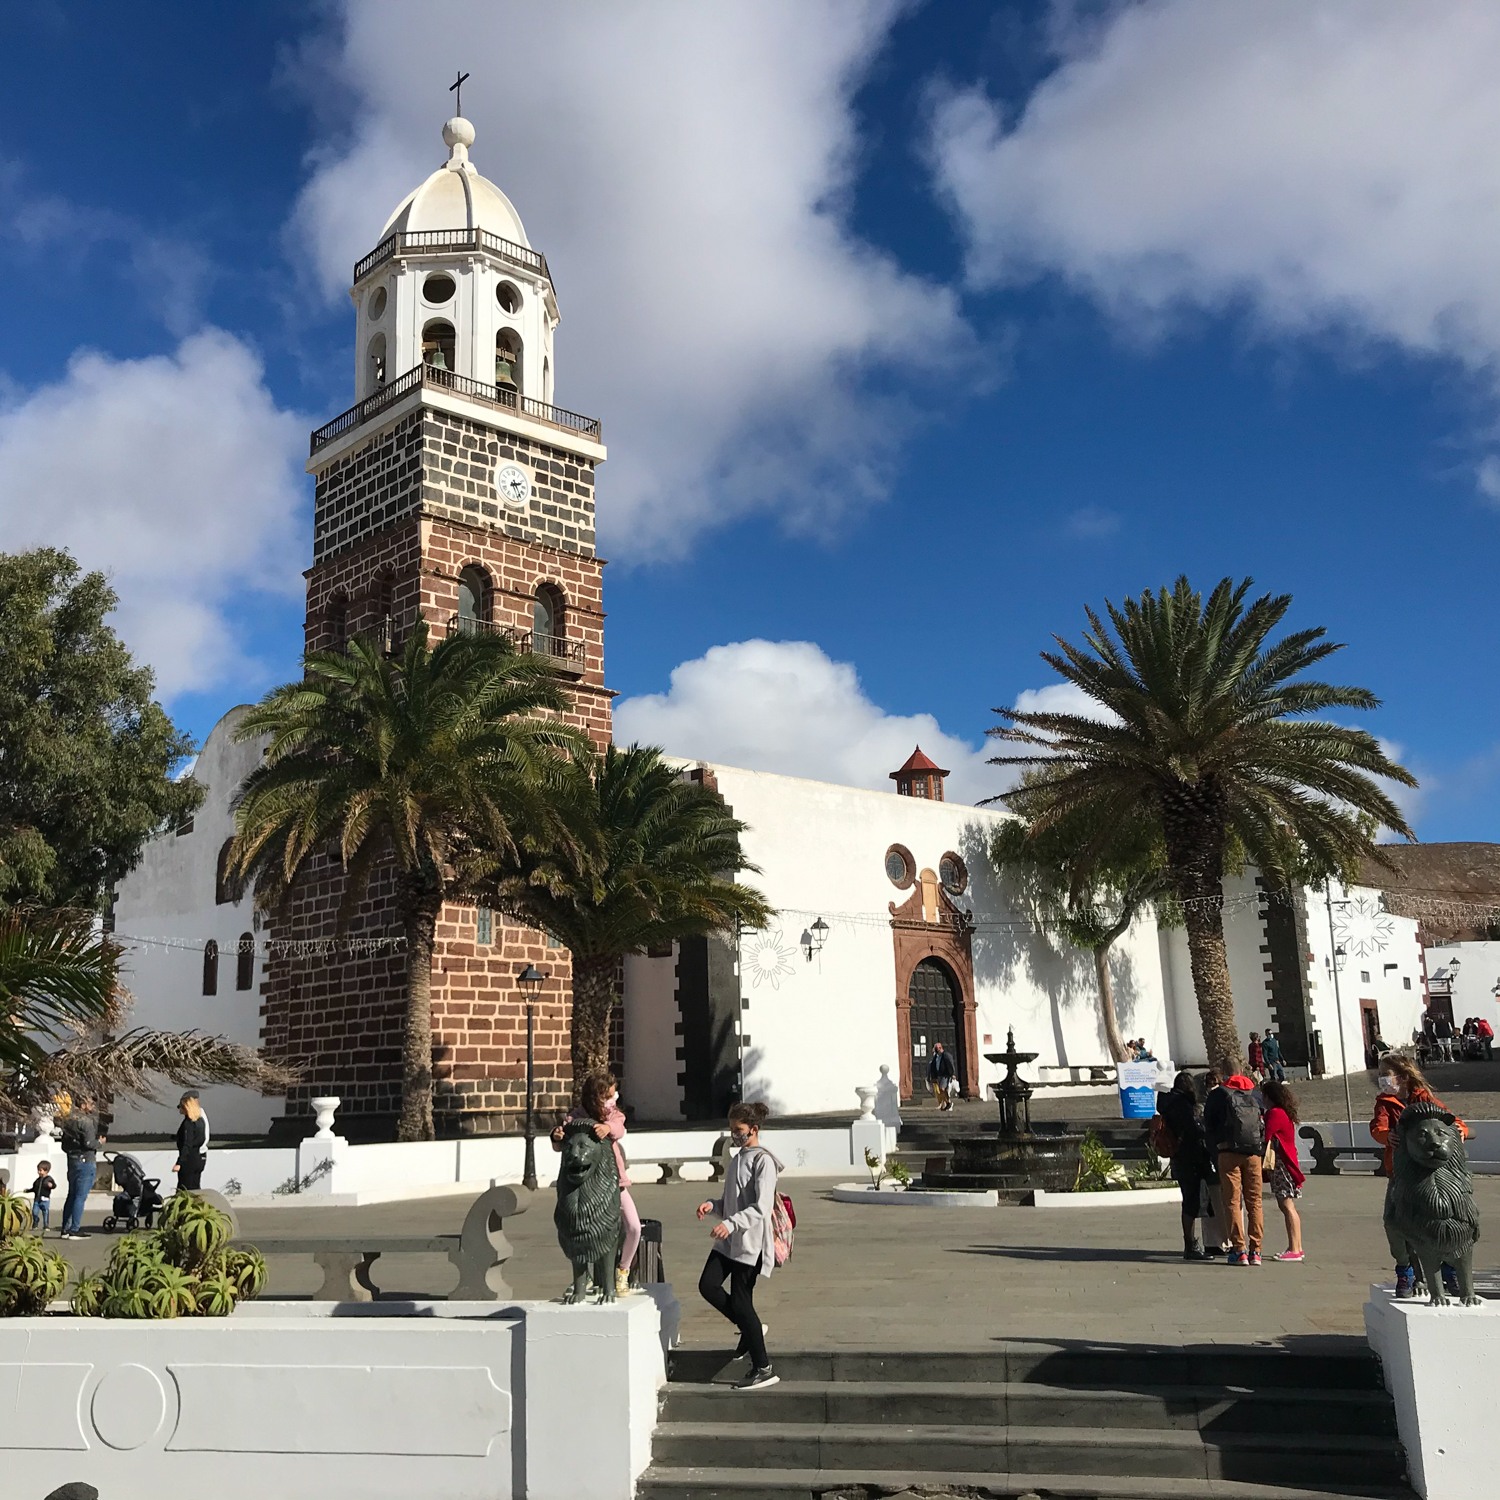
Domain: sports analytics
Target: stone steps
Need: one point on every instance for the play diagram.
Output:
(1088, 1422)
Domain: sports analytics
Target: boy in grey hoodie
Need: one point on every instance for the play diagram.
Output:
(744, 1248)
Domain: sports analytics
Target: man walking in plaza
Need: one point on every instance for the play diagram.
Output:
(1442, 1036)
(80, 1142)
(1235, 1131)
(1270, 1051)
(940, 1075)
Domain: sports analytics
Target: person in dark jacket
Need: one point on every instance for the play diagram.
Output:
(1236, 1133)
(192, 1144)
(80, 1142)
(940, 1074)
(1192, 1168)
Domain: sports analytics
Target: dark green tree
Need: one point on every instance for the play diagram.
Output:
(438, 760)
(650, 857)
(86, 756)
(1206, 726)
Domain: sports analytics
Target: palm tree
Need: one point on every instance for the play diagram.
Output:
(1204, 726)
(651, 858)
(434, 761)
(1094, 908)
(59, 982)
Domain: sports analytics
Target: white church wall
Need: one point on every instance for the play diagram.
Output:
(1382, 962)
(814, 1030)
(651, 1041)
(1474, 985)
(170, 895)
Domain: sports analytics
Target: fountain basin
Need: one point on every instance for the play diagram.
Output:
(1010, 1164)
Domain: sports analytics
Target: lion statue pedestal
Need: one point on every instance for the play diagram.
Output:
(1429, 1206)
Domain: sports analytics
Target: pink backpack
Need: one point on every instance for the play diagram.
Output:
(783, 1228)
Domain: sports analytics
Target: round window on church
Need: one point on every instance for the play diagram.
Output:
(899, 866)
(508, 297)
(438, 289)
(954, 874)
(377, 303)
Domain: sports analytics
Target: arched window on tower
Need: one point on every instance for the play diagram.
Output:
(547, 381)
(547, 622)
(244, 962)
(508, 350)
(473, 601)
(210, 968)
(223, 885)
(336, 621)
(376, 362)
(440, 345)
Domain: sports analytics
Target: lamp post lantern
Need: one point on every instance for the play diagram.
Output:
(1334, 966)
(530, 981)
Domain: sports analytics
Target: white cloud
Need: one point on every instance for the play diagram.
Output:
(1329, 164)
(1057, 698)
(1092, 523)
(177, 476)
(686, 169)
(786, 706)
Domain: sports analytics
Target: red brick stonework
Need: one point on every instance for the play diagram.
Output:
(399, 514)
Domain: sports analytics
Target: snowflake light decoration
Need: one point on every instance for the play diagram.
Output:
(767, 961)
(1362, 927)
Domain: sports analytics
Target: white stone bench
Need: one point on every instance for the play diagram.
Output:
(671, 1164)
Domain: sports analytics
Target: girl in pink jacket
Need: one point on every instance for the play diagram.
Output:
(599, 1100)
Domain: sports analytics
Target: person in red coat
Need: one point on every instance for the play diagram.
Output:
(1286, 1175)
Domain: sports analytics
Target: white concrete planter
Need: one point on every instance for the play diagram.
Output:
(1115, 1198)
(853, 1192)
(466, 1400)
(1438, 1364)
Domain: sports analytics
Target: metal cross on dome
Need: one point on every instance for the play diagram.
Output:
(456, 88)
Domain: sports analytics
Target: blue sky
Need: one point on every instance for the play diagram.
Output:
(914, 329)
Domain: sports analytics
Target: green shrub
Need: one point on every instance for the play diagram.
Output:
(15, 1214)
(31, 1276)
(1098, 1171)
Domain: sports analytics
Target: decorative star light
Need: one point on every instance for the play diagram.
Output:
(1362, 927)
(768, 962)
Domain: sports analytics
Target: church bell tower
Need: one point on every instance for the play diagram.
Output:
(456, 492)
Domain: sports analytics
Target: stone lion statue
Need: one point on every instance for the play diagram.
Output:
(589, 1227)
(1430, 1203)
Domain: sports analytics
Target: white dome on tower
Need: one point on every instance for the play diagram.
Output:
(457, 197)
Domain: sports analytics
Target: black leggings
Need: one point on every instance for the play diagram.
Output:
(738, 1303)
(190, 1174)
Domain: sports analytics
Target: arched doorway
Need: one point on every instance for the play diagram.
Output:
(936, 1016)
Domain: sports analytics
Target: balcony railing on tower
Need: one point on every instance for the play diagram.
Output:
(567, 655)
(499, 396)
(448, 242)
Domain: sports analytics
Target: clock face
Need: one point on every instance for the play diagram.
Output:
(513, 485)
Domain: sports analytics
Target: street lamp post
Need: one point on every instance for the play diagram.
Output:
(1338, 1006)
(530, 980)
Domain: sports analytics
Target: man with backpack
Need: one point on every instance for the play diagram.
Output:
(1236, 1134)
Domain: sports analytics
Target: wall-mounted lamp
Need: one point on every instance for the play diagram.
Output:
(814, 937)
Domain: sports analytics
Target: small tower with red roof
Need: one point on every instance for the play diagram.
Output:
(920, 777)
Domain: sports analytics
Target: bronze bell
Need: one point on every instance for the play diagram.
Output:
(504, 371)
(437, 361)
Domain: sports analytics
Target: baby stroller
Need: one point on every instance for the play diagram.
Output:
(136, 1198)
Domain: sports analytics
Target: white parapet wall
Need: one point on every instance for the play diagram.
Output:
(310, 1401)
(1439, 1366)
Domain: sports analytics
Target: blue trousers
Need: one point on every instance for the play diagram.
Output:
(81, 1176)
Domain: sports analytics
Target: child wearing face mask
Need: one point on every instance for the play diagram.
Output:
(599, 1100)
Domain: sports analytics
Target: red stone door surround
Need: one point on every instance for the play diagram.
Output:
(928, 925)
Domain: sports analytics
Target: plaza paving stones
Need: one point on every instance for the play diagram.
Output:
(863, 1277)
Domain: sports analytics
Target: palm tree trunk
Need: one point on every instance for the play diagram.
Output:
(593, 1002)
(1193, 823)
(1107, 1002)
(415, 1123)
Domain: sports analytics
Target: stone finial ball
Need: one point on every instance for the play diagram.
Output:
(458, 132)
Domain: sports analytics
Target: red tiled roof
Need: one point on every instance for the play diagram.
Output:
(916, 761)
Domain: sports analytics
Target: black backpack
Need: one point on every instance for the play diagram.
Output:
(1245, 1130)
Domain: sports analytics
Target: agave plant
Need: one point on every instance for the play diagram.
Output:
(31, 1276)
(192, 1230)
(171, 1292)
(247, 1270)
(217, 1296)
(88, 1295)
(127, 1302)
(15, 1214)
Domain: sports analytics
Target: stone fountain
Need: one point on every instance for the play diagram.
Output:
(1016, 1159)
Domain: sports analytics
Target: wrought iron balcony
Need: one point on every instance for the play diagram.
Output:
(568, 655)
(446, 242)
(499, 396)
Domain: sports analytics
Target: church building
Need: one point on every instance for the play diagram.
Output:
(456, 494)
